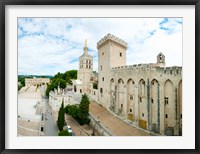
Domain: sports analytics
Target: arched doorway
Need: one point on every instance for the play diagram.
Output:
(142, 104)
(112, 95)
(154, 106)
(130, 100)
(169, 108)
(120, 96)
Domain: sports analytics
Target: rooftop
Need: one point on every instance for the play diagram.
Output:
(113, 38)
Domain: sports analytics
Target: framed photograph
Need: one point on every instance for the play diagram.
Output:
(100, 76)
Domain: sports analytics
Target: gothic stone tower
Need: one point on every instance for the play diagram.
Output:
(111, 53)
(85, 74)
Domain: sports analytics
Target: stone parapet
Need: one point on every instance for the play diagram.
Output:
(173, 70)
(113, 38)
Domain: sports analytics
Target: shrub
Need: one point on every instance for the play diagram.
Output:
(64, 133)
(80, 112)
(72, 110)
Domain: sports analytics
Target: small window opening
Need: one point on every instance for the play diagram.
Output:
(166, 100)
(131, 97)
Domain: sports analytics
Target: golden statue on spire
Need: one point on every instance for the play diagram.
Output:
(85, 42)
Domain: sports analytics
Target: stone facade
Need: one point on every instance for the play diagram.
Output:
(36, 81)
(150, 95)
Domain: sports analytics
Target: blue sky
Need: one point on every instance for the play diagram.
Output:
(50, 45)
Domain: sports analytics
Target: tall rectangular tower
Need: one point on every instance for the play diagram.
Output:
(111, 53)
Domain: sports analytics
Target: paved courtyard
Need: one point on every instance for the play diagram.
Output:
(28, 122)
(28, 128)
(114, 124)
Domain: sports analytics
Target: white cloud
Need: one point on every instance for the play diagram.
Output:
(50, 45)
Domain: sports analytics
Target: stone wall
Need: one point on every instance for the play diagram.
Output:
(96, 124)
(58, 95)
(152, 98)
(148, 94)
(94, 95)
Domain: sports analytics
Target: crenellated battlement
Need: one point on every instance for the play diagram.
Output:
(173, 70)
(136, 66)
(149, 67)
(113, 38)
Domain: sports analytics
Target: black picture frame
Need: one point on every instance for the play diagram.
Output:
(3, 5)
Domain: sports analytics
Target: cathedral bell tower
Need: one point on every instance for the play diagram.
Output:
(85, 48)
(85, 69)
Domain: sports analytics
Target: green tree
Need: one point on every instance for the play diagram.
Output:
(95, 85)
(21, 79)
(19, 86)
(50, 87)
(61, 117)
(72, 110)
(55, 82)
(80, 112)
(72, 74)
(69, 75)
(61, 80)
(83, 111)
(58, 75)
(64, 133)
